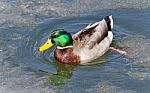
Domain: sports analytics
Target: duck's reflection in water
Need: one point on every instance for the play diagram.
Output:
(64, 73)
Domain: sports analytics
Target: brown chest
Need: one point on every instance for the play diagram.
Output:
(66, 56)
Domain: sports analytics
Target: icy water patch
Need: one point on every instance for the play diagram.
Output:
(107, 87)
(138, 49)
(30, 12)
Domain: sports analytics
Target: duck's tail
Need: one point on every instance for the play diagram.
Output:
(109, 21)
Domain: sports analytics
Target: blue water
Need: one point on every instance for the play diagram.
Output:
(26, 24)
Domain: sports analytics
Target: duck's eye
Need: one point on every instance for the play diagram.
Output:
(55, 36)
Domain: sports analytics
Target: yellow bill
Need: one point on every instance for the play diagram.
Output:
(46, 45)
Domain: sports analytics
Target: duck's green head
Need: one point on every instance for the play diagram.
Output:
(59, 38)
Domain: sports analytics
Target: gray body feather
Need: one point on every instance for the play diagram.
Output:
(94, 40)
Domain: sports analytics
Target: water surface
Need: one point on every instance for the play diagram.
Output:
(25, 25)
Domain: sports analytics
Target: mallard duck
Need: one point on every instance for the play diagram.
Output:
(84, 46)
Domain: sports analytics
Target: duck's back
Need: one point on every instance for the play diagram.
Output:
(94, 40)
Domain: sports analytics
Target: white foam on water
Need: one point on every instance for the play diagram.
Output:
(139, 51)
(139, 75)
(107, 87)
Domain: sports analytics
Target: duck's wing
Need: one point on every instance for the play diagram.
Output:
(93, 34)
